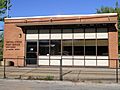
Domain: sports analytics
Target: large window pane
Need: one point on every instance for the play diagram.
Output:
(44, 47)
(90, 50)
(102, 42)
(90, 47)
(102, 47)
(67, 47)
(55, 47)
(90, 42)
(102, 50)
(78, 47)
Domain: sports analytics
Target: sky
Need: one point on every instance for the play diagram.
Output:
(24, 8)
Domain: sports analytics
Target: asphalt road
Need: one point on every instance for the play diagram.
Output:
(8, 84)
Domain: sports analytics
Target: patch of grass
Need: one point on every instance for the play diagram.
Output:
(49, 78)
(40, 78)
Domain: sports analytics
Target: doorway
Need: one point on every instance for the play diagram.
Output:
(31, 52)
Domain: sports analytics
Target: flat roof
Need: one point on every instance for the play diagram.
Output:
(76, 15)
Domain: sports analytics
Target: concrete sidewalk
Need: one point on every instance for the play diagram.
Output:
(6, 84)
(69, 73)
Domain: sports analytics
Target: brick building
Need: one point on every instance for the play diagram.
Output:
(77, 40)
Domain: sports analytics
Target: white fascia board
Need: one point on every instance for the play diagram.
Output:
(77, 15)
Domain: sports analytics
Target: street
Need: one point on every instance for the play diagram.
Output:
(11, 84)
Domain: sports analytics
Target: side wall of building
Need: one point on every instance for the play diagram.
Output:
(14, 44)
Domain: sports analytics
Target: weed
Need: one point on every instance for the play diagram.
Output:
(40, 78)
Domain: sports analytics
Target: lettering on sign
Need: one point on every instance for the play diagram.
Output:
(13, 45)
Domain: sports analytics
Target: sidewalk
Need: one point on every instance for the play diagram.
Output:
(75, 74)
(54, 85)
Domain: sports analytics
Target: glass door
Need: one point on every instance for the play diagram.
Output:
(31, 53)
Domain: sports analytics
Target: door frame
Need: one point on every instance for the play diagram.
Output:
(36, 52)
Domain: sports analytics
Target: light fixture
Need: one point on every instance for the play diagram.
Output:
(20, 35)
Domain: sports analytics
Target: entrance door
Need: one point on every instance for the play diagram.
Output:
(31, 53)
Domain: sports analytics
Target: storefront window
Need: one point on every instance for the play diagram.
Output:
(78, 47)
(55, 47)
(90, 50)
(102, 50)
(67, 47)
(102, 47)
(44, 47)
(90, 47)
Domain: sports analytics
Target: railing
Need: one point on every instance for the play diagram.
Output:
(61, 69)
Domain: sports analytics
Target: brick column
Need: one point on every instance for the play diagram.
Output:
(113, 45)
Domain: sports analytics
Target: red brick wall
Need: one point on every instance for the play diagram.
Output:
(14, 46)
(113, 46)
